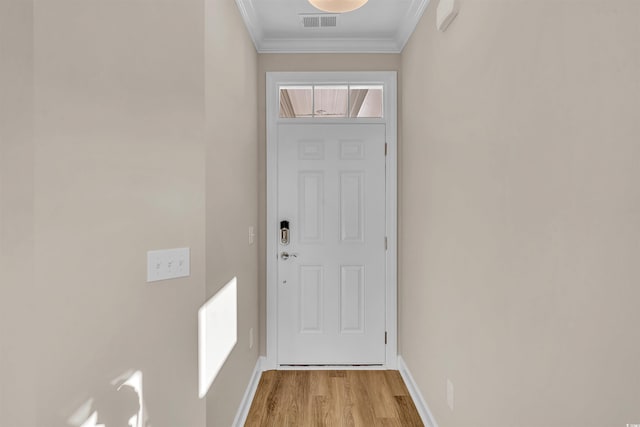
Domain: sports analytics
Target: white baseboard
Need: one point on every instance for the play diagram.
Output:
(247, 399)
(414, 391)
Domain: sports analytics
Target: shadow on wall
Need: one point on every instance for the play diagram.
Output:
(119, 405)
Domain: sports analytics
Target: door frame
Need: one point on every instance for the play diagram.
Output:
(389, 80)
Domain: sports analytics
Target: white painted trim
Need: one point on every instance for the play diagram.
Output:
(247, 399)
(389, 80)
(411, 20)
(270, 232)
(328, 45)
(391, 116)
(251, 21)
(332, 368)
(391, 44)
(414, 391)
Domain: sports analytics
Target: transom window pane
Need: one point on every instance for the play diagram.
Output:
(296, 101)
(365, 101)
(331, 101)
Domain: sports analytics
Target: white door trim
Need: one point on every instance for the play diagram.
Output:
(388, 79)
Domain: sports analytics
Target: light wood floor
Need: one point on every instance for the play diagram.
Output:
(332, 398)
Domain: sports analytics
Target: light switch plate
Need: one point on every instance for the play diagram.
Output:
(168, 264)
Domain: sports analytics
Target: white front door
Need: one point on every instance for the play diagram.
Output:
(331, 287)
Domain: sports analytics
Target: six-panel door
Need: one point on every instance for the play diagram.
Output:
(331, 288)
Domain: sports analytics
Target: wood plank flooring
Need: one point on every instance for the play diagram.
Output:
(332, 398)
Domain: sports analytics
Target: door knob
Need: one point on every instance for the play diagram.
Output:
(286, 255)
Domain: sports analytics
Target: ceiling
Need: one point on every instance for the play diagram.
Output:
(381, 26)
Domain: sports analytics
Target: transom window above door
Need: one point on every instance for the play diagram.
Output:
(331, 101)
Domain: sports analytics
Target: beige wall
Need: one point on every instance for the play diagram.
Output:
(113, 142)
(17, 355)
(232, 192)
(119, 170)
(520, 217)
(298, 62)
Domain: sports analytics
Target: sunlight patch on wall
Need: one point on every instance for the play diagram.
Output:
(122, 402)
(217, 333)
(92, 421)
(135, 382)
(83, 417)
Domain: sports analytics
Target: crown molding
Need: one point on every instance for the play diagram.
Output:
(251, 21)
(329, 45)
(393, 44)
(410, 22)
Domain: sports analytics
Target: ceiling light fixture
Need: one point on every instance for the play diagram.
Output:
(337, 6)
